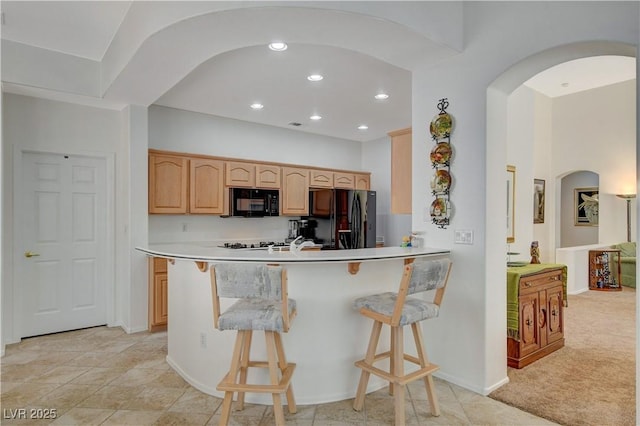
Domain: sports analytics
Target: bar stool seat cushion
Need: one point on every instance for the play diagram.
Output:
(255, 314)
(414, 310)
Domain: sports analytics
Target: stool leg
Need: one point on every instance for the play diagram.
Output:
(369, 357)
(392, 358)
(273, 374)
(397, 351)
(282, 363)
(424, 361)
(232, 375)
(244, 366)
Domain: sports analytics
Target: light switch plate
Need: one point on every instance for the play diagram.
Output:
(463, 236)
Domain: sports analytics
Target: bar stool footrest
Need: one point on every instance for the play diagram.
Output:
(400, 380)
(281, 387)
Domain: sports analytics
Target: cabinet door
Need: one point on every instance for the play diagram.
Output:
(206, 186)
(321, 179)
(295, 192)
(161, 301)
(555, 323)
(158, 296)
(322, 201)
(241, 175)
(401, 175)
(267, 176)
(344, 180)
(363, 182)
(529, 325)
(168, 184)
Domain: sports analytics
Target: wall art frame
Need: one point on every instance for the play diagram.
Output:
(586, 206)
(538, 200)
(511, 203)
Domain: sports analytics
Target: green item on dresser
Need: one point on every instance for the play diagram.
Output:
(513, 279)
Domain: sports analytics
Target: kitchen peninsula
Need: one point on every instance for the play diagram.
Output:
(326, 337)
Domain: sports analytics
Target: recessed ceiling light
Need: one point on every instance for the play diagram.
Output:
(278, 46)
(381, 96)
(315, 77)
(256, 106)
(315, 117)
(363, 127)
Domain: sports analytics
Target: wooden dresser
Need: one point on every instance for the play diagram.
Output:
(536, 296)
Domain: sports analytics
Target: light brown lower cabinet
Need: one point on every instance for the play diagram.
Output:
(541, 319)
(158, 294)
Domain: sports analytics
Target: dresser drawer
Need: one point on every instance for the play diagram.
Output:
(538, 281)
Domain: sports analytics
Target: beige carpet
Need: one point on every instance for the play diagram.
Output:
(590, 381)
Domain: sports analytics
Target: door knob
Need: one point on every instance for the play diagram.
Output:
(30, 254)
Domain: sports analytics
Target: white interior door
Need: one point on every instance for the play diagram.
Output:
(62, 242)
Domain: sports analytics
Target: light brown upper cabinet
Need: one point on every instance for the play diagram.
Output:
(295, 192)
(401, 175)
(206, 186)
(240, 174)
(267, 176)
(252, 175)
(321, 179)
(363, 181)
(168, 184)
(182, 184)
(344, 180)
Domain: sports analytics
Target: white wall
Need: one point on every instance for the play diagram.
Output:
(521, 124)
(183, 131)
(595, 130)
(566, 134)
(469, 339)
(2, 225)
(48, 126)
(376, 155)
(542, 151)
(503, 46)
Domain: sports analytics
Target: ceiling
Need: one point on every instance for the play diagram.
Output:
(583, 74)
(228, 83)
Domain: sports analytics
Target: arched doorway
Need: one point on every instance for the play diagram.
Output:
(576, 229)
(497, 97)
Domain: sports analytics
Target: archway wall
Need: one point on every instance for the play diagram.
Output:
(155, 37)
(506, 43)
(548, 138)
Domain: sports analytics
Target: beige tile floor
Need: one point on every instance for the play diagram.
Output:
(103, 376)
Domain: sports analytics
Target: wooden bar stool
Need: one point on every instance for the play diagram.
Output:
(263, 305)
(397, 310)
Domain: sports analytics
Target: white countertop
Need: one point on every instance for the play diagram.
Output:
(209, 252)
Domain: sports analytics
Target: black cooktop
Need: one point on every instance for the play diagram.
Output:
(261, 244)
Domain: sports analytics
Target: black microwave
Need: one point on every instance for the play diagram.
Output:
(254, 202)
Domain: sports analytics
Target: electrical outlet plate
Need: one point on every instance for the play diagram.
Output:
(463, 236)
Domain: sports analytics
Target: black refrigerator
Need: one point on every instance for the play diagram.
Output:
(346, 218)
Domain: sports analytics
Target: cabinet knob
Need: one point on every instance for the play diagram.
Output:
(527, 284)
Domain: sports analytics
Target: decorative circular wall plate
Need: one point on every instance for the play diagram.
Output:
(441, 153)
(441, 181)
(441, 126)
(440, 211)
